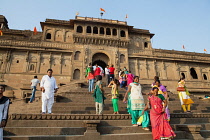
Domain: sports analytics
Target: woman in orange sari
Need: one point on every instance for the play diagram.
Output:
(161, 128)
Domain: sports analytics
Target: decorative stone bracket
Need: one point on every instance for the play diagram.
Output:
(91, 127)
(192, 131)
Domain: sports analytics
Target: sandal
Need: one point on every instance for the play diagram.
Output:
(135, 125)
(146, 128)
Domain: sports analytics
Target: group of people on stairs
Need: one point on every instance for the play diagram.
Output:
(155, 110)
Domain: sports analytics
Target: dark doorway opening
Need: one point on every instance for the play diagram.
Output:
(100, 63)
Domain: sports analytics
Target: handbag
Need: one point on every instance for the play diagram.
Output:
(140, 120)
(180, 89)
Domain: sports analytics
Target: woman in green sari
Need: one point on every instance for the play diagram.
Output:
(136, 102)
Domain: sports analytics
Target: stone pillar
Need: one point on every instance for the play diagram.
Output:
(146, 67)
(26, 68)
(199, 73)
(164, 74)
(92, 128)
(189, 77)
(61, 60)
(50, 60)
(38, 62)
(177, 70)
(70, 67)
(155, 67)
(137, 67)
(8, 61)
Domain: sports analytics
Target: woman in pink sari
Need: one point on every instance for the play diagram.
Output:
(130, 77)
(161, 128)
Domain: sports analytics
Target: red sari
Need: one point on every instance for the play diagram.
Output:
(160, 125)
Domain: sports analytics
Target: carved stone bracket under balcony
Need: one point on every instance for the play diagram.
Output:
(101, 41)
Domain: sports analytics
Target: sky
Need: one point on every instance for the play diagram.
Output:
(174, 22)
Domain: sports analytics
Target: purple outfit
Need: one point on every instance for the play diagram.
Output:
(163, 89)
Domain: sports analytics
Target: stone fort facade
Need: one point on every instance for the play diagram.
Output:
(68, 46)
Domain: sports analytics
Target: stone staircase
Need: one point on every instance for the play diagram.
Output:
(74, 118)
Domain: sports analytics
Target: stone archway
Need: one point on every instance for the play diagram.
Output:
(101, 59)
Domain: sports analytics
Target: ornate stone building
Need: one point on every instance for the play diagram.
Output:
(68, 46)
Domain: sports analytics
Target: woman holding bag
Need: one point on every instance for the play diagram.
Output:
(184, 96)
(137, 104)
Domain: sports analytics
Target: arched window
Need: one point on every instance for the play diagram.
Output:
(88, 30)
(182, 75)
(114, 32)
(67, 36)
(48, 36)
(31, 67)
(101, 30)
(58, 36)
(79, 29)
(145, 45)
(76, 74)
(77, 55)
(205, 77)
(95, 30)
(193, 73)
(122, 33)
(17, 61)
(108, 31)
(122, 58)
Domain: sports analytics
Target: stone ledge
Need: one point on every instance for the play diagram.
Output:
(69, 117)
(94, 116)
(190, 115)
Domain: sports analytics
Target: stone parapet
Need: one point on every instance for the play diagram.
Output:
(101, 20)
(94, 116)
(170, 55)
(69, 117)
(34, 45)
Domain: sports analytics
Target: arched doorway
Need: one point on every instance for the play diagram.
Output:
(100, 63)
(101, 59)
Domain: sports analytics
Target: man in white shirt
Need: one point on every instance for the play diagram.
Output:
(49, 88)
(107, 75)
(34, 83)
(4, 107)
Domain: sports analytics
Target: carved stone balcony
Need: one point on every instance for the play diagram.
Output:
(100, 41)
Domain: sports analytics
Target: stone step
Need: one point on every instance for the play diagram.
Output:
(11, 131)
(45, 123)
(189, 120)
(106, 107)
(120, 129)
(91, 110)
(137, 136)
(205, 133)
(204, 122)
(45, 137)
(125, 136)
(86, 112)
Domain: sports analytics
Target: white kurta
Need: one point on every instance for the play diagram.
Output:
(49, 84)
(3, 115)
